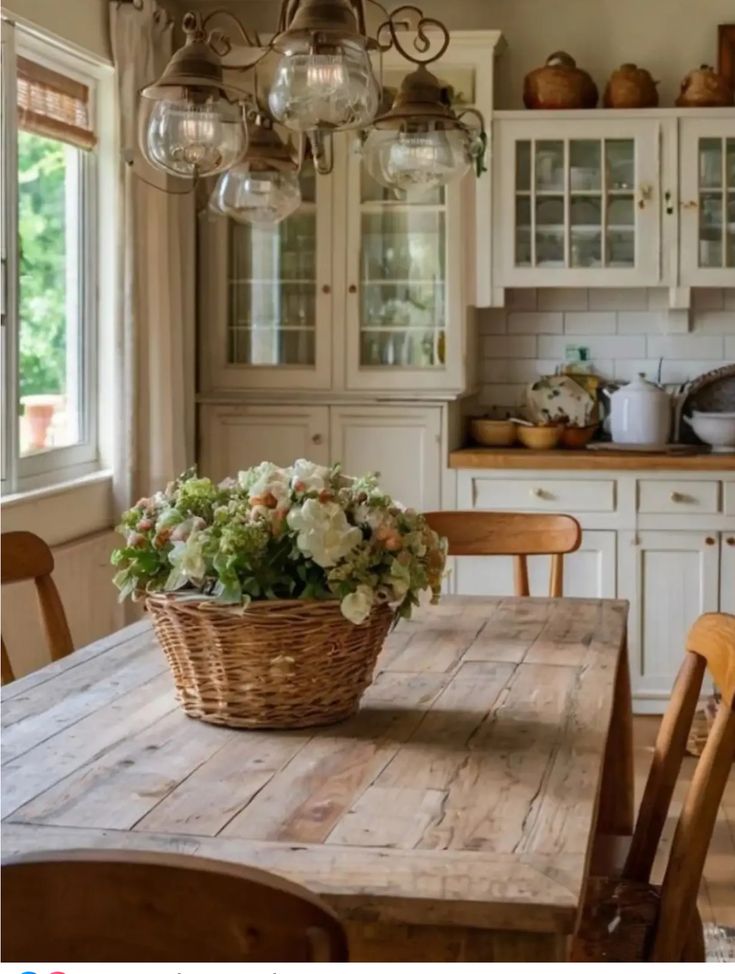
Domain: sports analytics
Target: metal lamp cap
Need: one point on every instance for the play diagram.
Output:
(421, 97)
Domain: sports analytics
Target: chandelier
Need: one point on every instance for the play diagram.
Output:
(322, 78)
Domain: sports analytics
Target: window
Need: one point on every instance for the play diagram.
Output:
(49, 233)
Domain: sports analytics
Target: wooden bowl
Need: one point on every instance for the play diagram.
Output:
(577, 437)
(540, 437)
(493, 432)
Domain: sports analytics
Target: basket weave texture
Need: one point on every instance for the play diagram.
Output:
(279, 663)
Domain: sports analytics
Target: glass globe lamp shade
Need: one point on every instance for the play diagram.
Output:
(332, 89)
(188, 137)
(258, 196)
(417, 161)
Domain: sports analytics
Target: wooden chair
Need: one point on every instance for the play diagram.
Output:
(626, 917)
(520, 535)
(25, 556)
(105, 906)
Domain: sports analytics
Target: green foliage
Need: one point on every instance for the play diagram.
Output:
(42, 270)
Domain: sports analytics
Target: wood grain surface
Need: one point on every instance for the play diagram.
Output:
(452, 817)
(477, 458)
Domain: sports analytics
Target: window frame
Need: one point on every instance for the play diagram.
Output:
(57, 464)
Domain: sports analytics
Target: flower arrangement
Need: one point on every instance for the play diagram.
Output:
(298, 532)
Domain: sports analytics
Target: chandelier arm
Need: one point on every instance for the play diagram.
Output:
(421, 42)
(322, 146)
(252, 40)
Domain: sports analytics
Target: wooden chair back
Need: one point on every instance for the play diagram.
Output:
(25, 557)
(710, 648)
(106, 906)
(519, 535)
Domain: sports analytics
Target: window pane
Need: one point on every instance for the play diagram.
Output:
(49, 302)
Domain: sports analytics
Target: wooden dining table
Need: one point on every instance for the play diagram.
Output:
(451, 818)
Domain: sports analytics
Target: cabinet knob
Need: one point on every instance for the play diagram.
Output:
(710, 540)
(317, 438)
(669, 202)
(676, 497)
(690, 205)
(352, 288)
(537, 492)
(731, 541)
(326, 289)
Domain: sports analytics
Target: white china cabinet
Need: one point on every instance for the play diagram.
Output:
(707, 200)
(345, 333)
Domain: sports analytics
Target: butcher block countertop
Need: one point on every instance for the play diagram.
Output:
(521, 458)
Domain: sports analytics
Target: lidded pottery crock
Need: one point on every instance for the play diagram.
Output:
(705, 88)
(630, 87)
(559, 84)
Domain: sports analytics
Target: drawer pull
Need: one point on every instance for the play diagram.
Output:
(317, 438)
(710, 541)
(678, 498)
(540, 492)
(731, 541)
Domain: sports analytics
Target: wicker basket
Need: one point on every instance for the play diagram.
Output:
(278, 664)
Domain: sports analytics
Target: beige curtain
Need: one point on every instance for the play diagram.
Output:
(156, 367)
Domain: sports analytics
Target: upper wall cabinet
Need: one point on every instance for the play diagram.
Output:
(707, 200)
(614, 198)
(578, 201)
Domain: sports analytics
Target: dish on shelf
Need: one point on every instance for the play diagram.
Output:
(711, 392)
(577, 437)
(540, 437)
(561, 399)
(716, 429)
(493, 432)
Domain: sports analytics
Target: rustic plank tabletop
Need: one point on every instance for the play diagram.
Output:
(451, 818)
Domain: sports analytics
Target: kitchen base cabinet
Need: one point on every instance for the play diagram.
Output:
(670, 578)
(727, 573)
(401, 443)
(589, 572)
(662, 539)
(232, 438)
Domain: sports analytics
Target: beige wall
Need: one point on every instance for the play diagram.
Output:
(83, 22)
(669, 37)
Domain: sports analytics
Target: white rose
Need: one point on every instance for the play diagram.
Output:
(356, 606)
(269, 479)
(310, 475)
(323, 531)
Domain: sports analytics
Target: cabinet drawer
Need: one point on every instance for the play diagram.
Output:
(729, 491)
(570, 496)
(678, 496)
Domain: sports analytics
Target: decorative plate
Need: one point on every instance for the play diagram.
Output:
(712, 392)
(560, 399)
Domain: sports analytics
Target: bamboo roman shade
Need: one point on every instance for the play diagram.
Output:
(53, 105)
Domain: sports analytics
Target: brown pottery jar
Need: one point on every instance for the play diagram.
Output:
(705, 88)
(630, 87)
(559, 84)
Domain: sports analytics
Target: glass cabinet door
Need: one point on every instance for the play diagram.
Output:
(707, 202)
(272, 288)
(580, 206)
(399, 283)
(268, 291)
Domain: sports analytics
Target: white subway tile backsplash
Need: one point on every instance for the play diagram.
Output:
(609, 346)
(708, 298)
(535, 323)
(509, 346)
(675, 370)
(715, 323)
(562, 299)
(685, 346)
(589, 322)
(492, 321)
(502, 394)
(517, 370)
(617, 299)
(640, 322)
(521, 299)
(627, 331)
